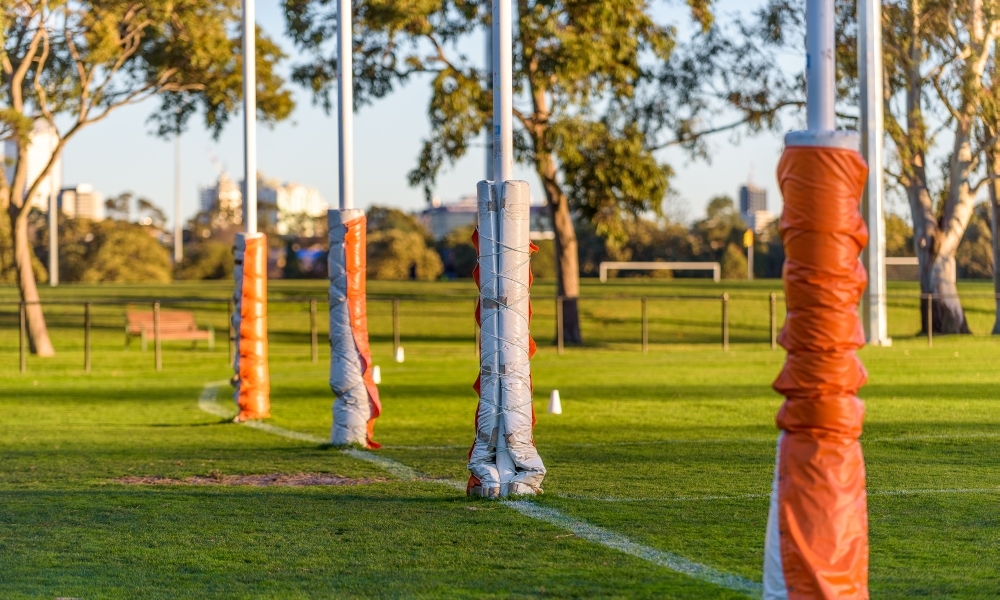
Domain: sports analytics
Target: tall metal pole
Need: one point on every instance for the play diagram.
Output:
(489, 123)
(873, 304)
(821, 68)
(503, 91)
(53, 235)
(178, 239)
(250, 115)
(345, 102)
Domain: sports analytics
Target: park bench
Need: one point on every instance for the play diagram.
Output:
(174, 325)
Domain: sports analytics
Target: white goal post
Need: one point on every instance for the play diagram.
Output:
(714, 267)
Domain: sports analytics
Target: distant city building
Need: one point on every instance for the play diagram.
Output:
(224, 201)
(753, 207)
(292, 207)
(43, 142)
(443, 218)
(82, 202)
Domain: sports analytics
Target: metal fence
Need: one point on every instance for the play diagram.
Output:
(698, 317)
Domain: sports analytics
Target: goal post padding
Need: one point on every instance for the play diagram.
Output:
(253, 382)
(817, 534)
(503, 460)
(356, 404)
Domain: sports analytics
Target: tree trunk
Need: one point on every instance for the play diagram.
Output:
(567, 252)
(993, 164)
(38, 333)
(947, 314)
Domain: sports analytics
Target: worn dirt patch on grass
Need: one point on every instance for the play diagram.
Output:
(260, 480)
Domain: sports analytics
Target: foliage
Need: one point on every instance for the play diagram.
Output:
(587, 115)
(384, 218)
(68, 65)
(898, 236)
(543, 262)
(396, 254)
(207, 259)
(975, 253)
(734, 263)
(458, 255)
(111, 251)
(119, 208)
(399, 247)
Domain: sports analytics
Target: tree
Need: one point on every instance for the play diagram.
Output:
(581, 68)
(127, 253)
(207, 259)
(71, 64)
(936, 54)
(400, 247)
(150, 214)
(119, 208)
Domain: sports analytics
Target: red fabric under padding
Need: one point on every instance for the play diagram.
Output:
(822, 506)
(254, 398)
(355, 261)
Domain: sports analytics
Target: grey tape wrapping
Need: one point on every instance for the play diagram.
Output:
(503, 456)
(351, 409)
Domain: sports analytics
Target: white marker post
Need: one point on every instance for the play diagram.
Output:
(873, 304)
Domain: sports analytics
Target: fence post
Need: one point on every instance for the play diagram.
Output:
(86, 337)
(314, 338)
(774, 321)
(232, 333)
(930, 320)
(559, 325)
(645, 328)
(156, 336)
(395, 328)
(22, 337)
(725, 321)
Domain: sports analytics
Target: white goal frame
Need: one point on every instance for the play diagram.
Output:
(714, 267)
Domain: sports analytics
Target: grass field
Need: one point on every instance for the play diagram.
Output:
(672, 450)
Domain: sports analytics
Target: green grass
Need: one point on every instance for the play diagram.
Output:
(673, 449)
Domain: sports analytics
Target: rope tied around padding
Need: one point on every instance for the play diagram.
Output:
(503, 459)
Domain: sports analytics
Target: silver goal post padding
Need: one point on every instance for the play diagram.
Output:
(356, 403)
(503, 460)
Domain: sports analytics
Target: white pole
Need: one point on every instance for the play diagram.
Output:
(345, 103)
(53, 234)
(503, 91)
(872, 128)
(250, 115)
(178, 239)
(821, 68)
(489, 85)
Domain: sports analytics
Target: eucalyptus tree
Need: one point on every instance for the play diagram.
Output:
(71, 63)
(936, 56)
(582, 119)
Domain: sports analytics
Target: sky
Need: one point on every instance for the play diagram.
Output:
(120, 154)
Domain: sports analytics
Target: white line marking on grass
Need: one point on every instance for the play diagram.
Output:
(621, 543)
(580, 528)
(913, 492)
